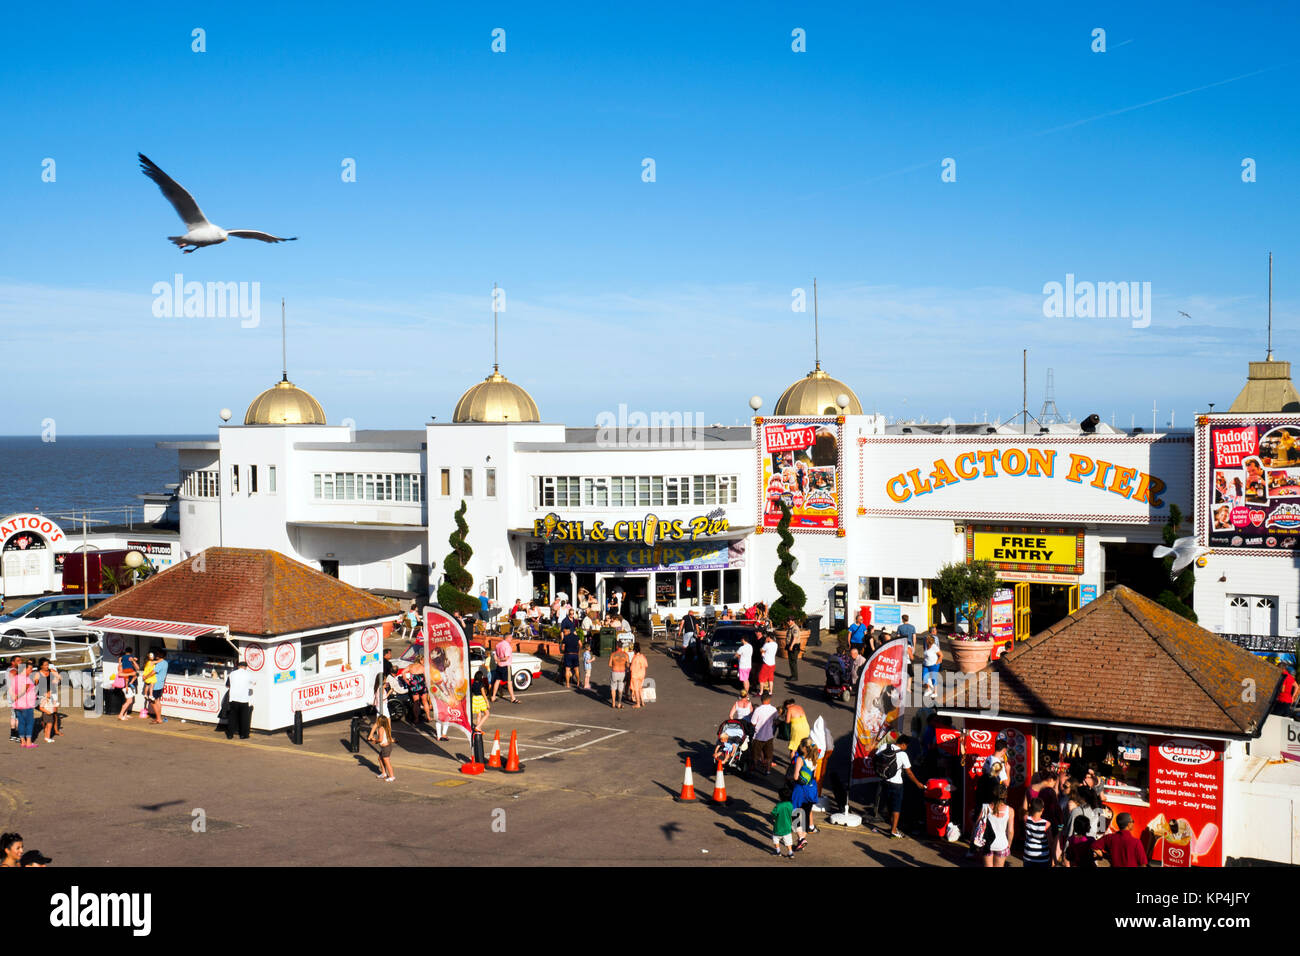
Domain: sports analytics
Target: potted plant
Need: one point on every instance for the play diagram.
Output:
(787, 610)
(968, 588)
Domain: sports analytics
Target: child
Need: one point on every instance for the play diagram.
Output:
(587, 658)
(1036, 851)
(148, 677)
(725, 747)
(1080, 851)
(385, 740)
(782, 827)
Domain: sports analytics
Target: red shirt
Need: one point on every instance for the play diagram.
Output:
(1287, 694)
(1123, 848)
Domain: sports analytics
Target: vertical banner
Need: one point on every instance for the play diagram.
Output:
(1186, 797)
(880, 706)
(800, 463)
(446, 662)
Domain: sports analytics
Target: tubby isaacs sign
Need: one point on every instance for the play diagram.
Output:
(1121, 479)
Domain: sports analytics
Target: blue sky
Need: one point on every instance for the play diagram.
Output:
(525, 168)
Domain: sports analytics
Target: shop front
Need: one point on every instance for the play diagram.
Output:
(1108, 692)
(32, 550)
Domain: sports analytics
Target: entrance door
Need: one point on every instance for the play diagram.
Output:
(636, 597)
(1022, 611)
(1074, 598)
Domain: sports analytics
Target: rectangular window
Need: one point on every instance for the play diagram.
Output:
(873, 589)
(909, 591)
(587, 495)
(656, 490)
(234, 479)
(252, 479)
(348, 490)
(600, 489)
(468, 481)
(270, 479)
(727, 489)
(731, 586)
(490, 482)
(444, 478)
(616, 492)
(673, 491)
(887, 590)
(697, 490)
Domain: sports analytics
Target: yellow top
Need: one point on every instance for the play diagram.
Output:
(285, 403)
(817, 394)
(496, 399)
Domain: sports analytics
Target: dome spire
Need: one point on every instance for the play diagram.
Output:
(817, 340)
(496, 366)
(284, 348)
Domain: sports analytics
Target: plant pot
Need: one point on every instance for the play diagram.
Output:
(971, 656)
(782, 635)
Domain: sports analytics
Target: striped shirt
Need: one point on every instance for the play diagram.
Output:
(1036, 840)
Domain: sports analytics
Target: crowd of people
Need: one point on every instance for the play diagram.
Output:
(32, 693)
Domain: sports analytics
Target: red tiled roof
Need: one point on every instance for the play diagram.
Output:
(255, 592)
(1124, 659)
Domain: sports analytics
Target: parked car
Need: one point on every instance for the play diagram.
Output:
(36, 618)
(716, 652)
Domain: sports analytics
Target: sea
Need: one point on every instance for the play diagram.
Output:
(100, 473)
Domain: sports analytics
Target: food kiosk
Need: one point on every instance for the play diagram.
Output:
(312, 643)
(1151, 703)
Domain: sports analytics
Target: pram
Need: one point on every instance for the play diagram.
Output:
(736, 753)
(839, 679)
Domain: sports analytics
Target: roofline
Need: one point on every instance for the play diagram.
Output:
(1098, 725)
(533, 446)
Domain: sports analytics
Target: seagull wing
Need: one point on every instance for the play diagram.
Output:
(181, 200)
(263, 236)
(1160, 551)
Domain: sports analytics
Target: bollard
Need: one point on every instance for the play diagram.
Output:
(297, 728)
(478, 746)
(355, 743)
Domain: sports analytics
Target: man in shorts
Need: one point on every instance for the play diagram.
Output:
(502, 653)
(744, 662)
(571, 648)
(618, 662)
(767, 672)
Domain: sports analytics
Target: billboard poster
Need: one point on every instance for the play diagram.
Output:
(800, 463)
(446, 662)
(1186, 797)
(881, 696)
(1249, 483)
(1002, 620)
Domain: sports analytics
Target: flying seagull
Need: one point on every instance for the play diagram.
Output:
(1181, 312)
(200, 231)
(1185, 551)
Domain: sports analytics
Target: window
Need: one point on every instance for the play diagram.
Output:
(234, 479)
(490, 482)
(890, 590)
(444, 478)
(199, 484)
(354, 486)
(635, 491)
(252, 479)
(909, 591)
(731, 586)
(270, 479)
(873, 589)
(468, 475)
(677, 490)
(1251, 614)
(656, 490)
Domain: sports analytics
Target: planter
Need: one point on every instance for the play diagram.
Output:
(781, 634)
(971, 656)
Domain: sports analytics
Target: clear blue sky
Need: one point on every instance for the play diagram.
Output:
(524, 168)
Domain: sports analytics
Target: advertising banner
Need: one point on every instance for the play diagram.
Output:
(1248, 483)
(800, 463)
(881, 696)
(1053, 550)
(1002, 622)
(577, 556)
(446, 662)
(326, 693)
(1113, 479)
(1185, 820)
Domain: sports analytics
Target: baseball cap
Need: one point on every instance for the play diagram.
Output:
(34, 858)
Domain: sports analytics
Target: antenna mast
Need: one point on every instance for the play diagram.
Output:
(284, 360)
(495, 365)
(1050, 415)
(817, 342)
(1269, 357)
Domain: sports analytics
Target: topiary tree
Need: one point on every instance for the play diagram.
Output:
(453, 592)
(789, 606)
(967, 587)
(1177, 596)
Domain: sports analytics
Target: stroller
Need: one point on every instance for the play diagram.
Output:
(735, 749)
(839, 679)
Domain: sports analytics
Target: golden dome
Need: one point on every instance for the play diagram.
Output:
(817, 395)
(285, 404)
(496, 399)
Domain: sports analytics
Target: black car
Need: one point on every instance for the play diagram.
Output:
(716, 653)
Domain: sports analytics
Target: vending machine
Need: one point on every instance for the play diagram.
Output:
(839, 603)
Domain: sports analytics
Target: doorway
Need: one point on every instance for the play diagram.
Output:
(1048, 603)
(636, 596)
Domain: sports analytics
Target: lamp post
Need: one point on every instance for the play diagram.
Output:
(221, 493)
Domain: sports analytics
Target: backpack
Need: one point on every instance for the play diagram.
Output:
(885, 762)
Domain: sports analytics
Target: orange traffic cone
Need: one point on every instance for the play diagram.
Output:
(512, 758)
(720, 786)
(688, 784)
(494, 759)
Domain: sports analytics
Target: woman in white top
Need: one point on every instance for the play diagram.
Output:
(999, 825)
(930, 669)
(743, 708)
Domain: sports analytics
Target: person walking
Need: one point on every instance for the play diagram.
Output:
(159, 684)
(890, 763)
(637, 670)
(1123, 848)
(907, 631)
(804, 795)
(1037, 850)
(128, 669)
(379, 701)
(931, 661)
(688, 631)
(783, 823)
(11, 673)
(996, 828)
(744, 663)
(858, 634)
(793, 648)
(502, 653)
(588, 658)
(794, 718)
(571, 647)
(239, 706)
(47, 698)
(742, 709)
(764, 720)
(1080, 848)
(480, 707)
(384, 729)
(147, 678)
(618, 664)
(23, 689)
(767, 672)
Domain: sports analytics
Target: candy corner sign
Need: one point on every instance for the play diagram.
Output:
(1056, 551)
(801, 463)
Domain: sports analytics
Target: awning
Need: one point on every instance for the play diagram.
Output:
(148, 628)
